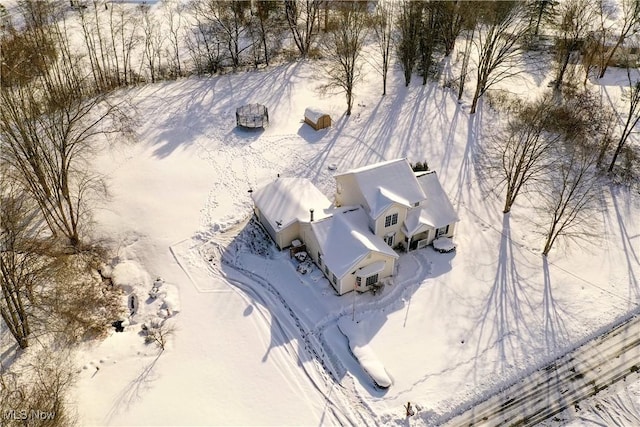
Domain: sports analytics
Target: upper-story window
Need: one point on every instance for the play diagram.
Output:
(391, 220)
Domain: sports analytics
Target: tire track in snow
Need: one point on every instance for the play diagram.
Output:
(228, 248)
(314, 348)
(328, 364)
(582, 373)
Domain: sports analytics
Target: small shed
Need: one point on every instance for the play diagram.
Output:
(316, 118)
(252, 116)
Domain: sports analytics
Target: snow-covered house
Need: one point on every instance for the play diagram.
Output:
(346, 251)
(403, 207)
(377, 208)
(283, 204)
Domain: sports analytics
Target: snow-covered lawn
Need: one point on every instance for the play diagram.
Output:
(257, 342)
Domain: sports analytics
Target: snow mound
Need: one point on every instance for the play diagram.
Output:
(171, 300)
(129, 275)
(365, 354)
(444, 244)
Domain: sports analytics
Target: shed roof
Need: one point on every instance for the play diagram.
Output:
(314, 114)
(385, 183)
(287, 200)
(345, 240)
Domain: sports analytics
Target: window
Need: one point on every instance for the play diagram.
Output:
(442, 231)
(358, 281)
(334, 279)
(416, 204)
(391, 220)
(372, 280)
(319, 259)
(389, 240)
(326, 270)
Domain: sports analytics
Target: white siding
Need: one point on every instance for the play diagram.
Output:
(381, 230)
(348, 192)
(348, 282)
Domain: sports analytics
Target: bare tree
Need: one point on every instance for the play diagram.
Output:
(347, 32)
(451, 17)
(568, 198)
(153, 42)
(47, 127)
(382, 24)
(464, 67)
(267, 20)
(523, 148)
(408, 24)
(575, 18)
(629, 23)
(540, 12)
(173, 16)
(302, 16)
(429, 39)
(501, 29)
(203, 45)
(22, 266)
(96, 46)
(228, 24)
(632, 95)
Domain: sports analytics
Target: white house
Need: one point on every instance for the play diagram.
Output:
(283, 204)
(377, 208)
(346, 251)
(403, 208)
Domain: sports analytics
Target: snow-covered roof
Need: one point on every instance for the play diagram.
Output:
(345, 239)
(286, 200)
(385, 183)
(437, 212)
(384, 199)
(313, 114)
(373, 268)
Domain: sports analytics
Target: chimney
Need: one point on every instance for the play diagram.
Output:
(311, 212)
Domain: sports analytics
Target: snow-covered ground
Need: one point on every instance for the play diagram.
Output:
(257, 342)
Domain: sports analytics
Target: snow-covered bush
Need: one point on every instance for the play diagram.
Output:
(444, 244)
(157, 332)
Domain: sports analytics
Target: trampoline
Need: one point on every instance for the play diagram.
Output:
(252, 116)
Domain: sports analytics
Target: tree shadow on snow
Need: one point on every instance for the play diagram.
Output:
(632, 258)
(555, 331)
(505, 318)
(133, 391)
(188, 108)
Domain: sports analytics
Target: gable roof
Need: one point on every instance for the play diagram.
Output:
(385, 183)
(314, 114)
(287, 200)
(437, 212)
(345, 239)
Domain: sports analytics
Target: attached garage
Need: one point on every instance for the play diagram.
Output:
(283, 204)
